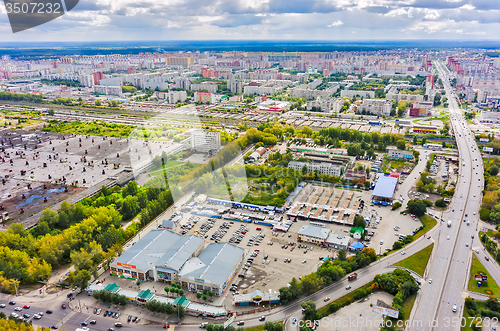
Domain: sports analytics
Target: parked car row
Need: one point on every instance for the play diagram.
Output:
(256, 239)
(205, 227)
(238, 235)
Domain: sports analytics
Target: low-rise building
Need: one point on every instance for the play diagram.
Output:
(491, 117)
(357, 233)
(158, 256)
(213, 269)
(337, 241)
(324, 168)
(313, 234)
(393, 153)
(355, 175)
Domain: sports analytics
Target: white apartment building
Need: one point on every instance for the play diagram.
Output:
(323, 168)
(354, 93)
(108, 90)
(375, 106)
(205, 141)
(212, 88)
(235, 86)
(176, 96)
(328, 105)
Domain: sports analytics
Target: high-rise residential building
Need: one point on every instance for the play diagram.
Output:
(179, 61)
(235, 86)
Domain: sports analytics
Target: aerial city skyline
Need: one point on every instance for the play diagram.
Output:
(226, 165)
(109, 20)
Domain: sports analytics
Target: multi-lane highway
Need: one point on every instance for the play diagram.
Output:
(453, 250)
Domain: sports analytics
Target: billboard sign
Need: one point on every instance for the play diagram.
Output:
(481, 277)
(487, 149)
(385, 309)
(229, 321)
(484, 140)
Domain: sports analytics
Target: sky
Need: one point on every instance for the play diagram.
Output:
(110, 20)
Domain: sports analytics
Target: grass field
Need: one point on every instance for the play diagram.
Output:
(169, 164)
(408, 306)
(418, 261)
(489, 286)
(428, 223)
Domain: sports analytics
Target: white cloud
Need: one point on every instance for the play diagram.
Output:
(336, 23)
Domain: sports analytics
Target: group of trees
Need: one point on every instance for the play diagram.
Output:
(165, 308)
(399, 283)
(67, 82)
(109, 297)
(275, 184)
(275, 159)
(34, 98)
(490, 207)
(177, 289)
(328, 273)
(16, 324)
(86, 234)
(480, 310)
(220, 327)
(418, 207)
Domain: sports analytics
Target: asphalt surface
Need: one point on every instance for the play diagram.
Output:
(450, 265)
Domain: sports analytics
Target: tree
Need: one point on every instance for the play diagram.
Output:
(415, 140)
(440, 203)
(437, 99)
(80, 279)
(353, 149)
(205, 297)
(493, 170)
(396, 205)
(97, 102)
(138, 283)
(417, 207)
(342, 255)
(51, 112)
(396, 245)
(401, 144)
(359, 221)
(270, 326)
(198, 295)
(309, 310)
(424, 141)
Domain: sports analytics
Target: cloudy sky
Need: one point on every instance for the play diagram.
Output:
(102, 20)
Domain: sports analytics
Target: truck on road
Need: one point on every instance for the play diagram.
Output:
(449, 224)
(352, 276)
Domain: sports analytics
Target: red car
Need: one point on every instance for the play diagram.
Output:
(26, 307)
(166, 326)
(63, 306)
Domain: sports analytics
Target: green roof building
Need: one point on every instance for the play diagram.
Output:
(183, 301)
(113, 288)
(145, 296)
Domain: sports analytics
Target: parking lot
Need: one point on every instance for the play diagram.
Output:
(277, 256)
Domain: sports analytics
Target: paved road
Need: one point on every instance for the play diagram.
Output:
(450, 266)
